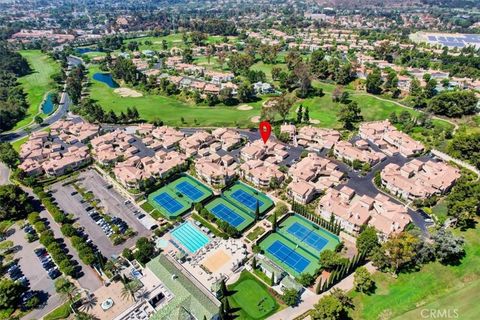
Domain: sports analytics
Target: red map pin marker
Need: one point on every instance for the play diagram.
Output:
(265, 130)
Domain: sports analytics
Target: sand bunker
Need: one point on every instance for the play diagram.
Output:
(314, 121)
(255, 119)
(244, 107)
(127, 92)
(216, 261)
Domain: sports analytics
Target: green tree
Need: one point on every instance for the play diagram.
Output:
(330, 259)
(290, 297)
(245, 92)
(363, 280)
(282, 105)
(300, 114)
(398, 251)
(306, 115)
(128, 289)
(350, 114)
(8, 155)
(306, 279)
(367, 240)
(65, 288)
(38, 120)
(10, 292)
(14, 202)
(145, 250)
(374, 82)
(448, 247)
(329, 308)
(415, 88)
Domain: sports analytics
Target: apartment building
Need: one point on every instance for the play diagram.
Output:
(417, 179)
(392, 141)
(354, 211)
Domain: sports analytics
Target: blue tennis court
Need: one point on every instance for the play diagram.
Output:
(288, 256)
(189, 190)
(167, 202)
(246, 199)
(225, 213)
(308, 236)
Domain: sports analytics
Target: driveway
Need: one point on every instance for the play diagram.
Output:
(38, 277)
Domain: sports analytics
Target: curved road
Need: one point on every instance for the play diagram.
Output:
(62, 110)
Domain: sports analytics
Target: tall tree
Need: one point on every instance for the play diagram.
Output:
(350, 114)
(374, 82)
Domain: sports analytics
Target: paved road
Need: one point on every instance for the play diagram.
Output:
(57, 115)
(4, 174)
(38, 277)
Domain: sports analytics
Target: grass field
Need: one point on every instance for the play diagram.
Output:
(38, 83)
(251, 298)
(433, 284)
(171, 110)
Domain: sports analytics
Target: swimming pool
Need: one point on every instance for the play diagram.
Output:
(190, 237)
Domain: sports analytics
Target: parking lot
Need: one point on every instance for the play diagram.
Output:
(113, 204)
(32, 269)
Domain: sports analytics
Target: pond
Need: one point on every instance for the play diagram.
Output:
(47, 104)
(105, 78)
(85, 50)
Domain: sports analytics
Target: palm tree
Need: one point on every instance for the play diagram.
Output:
(85, 316)
(128, 290)
(66, 289)
(88, 302)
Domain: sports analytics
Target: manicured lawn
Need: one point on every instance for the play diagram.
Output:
(433, 284)
(171, 110)
(464, 301)
(61, 312)
(38, 83)
(326, 111)
(172, 40)
(267, 68)
(252, 297)
(147, 206)
(17, 144)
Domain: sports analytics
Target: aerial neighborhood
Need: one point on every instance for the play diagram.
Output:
(279, 160)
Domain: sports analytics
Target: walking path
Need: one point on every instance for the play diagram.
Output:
(309, 299)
